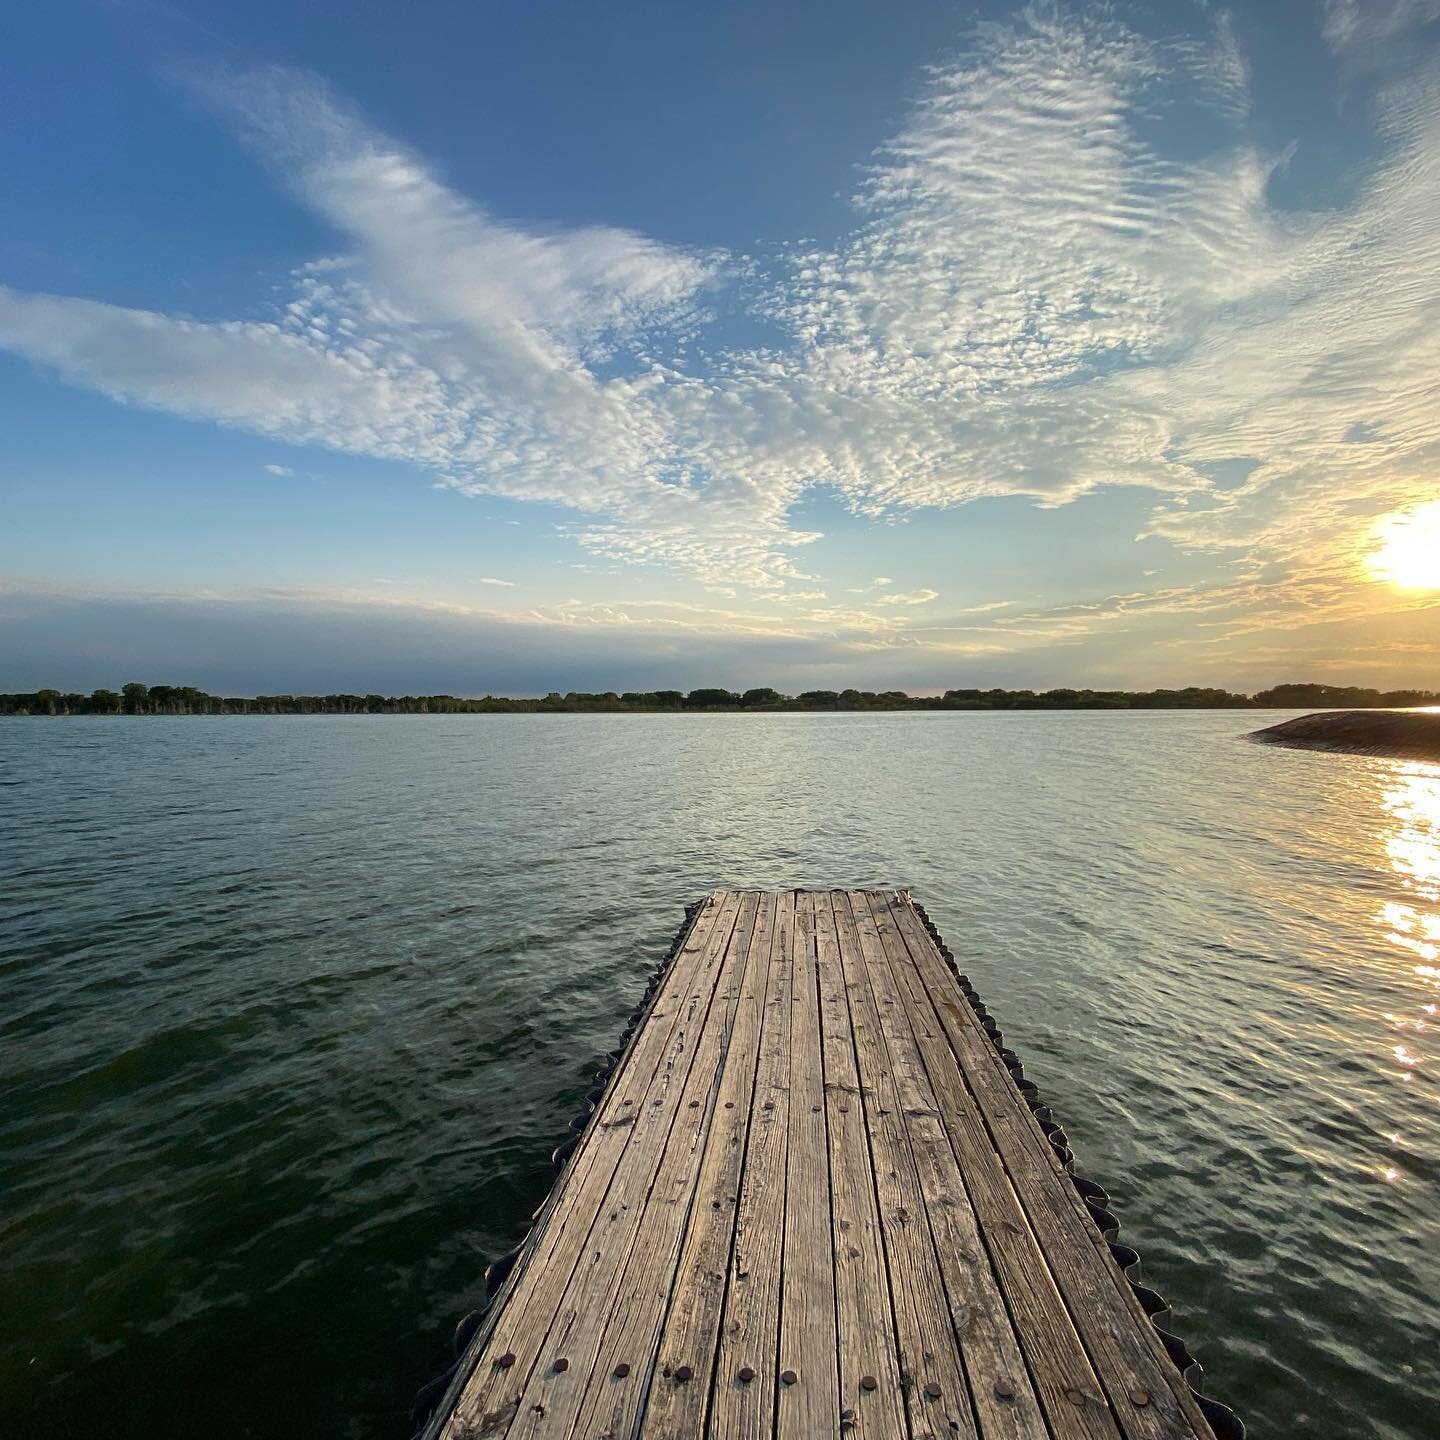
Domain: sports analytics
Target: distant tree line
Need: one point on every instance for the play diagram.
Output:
(136, 699)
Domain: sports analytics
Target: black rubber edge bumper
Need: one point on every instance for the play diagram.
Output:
(1222, 1420)
(434, 1401)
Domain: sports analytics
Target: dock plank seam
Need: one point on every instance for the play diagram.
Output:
(839, 1054)
(695, 1389)
(808, 1285)
(743, 1398)
(575, 1401)
(713, 1378)
(1078, 1264)
(1016, 1258)
(673, 994)
(1013, 1414)
(684, 957)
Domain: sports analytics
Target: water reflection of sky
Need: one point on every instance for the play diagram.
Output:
(1411, 837)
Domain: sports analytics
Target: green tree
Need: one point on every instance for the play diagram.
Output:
(707, 699)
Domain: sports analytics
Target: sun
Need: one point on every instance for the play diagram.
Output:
(1409, 553)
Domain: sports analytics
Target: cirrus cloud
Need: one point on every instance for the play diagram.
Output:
(1038, 299)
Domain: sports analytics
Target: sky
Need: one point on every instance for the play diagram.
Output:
(525, 345)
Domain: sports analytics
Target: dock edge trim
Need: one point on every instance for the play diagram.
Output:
(1226, 1424)
(435, 1401)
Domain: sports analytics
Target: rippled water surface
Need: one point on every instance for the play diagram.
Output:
(293, 1010)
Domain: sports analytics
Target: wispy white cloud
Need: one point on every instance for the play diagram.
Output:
(491, 580)
(1036, 301)
(1365, 27)
(509, 299)
(282, 470)
(908, 597)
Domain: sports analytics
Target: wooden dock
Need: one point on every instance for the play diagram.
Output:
(813, 1202)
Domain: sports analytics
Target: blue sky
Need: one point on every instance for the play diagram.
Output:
(512, 347)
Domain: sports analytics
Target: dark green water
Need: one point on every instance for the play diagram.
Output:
(293, 1010)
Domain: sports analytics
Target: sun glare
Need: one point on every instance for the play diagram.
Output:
(1409, 553)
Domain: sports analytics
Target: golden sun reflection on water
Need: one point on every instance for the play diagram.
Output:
(1411, 838)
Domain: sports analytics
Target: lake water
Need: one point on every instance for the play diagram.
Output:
(293, 1011)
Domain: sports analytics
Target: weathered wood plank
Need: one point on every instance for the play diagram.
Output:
(689, 1334)
(930, 1354)
(746, 1370)
(522, 1313)
(626, 1274)
(681, 1338)
(930, 1187)
(874, 1394)
(1145, 1391)
(620, 1153)
(808, 1397)
(1059, 1368)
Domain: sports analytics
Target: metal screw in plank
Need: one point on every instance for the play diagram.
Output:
(683, 1373)
(1004, 1390)
(868, 1382)
(622, 1370)
(1140, 1397)
(932, 1391)
(506, 1360)
(788, 1377)
(746, 1374)
(561, 1365)
(1075, 1397)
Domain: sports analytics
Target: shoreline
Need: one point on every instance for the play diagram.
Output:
(137, 701)
(710, 710)
(1400, 734)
